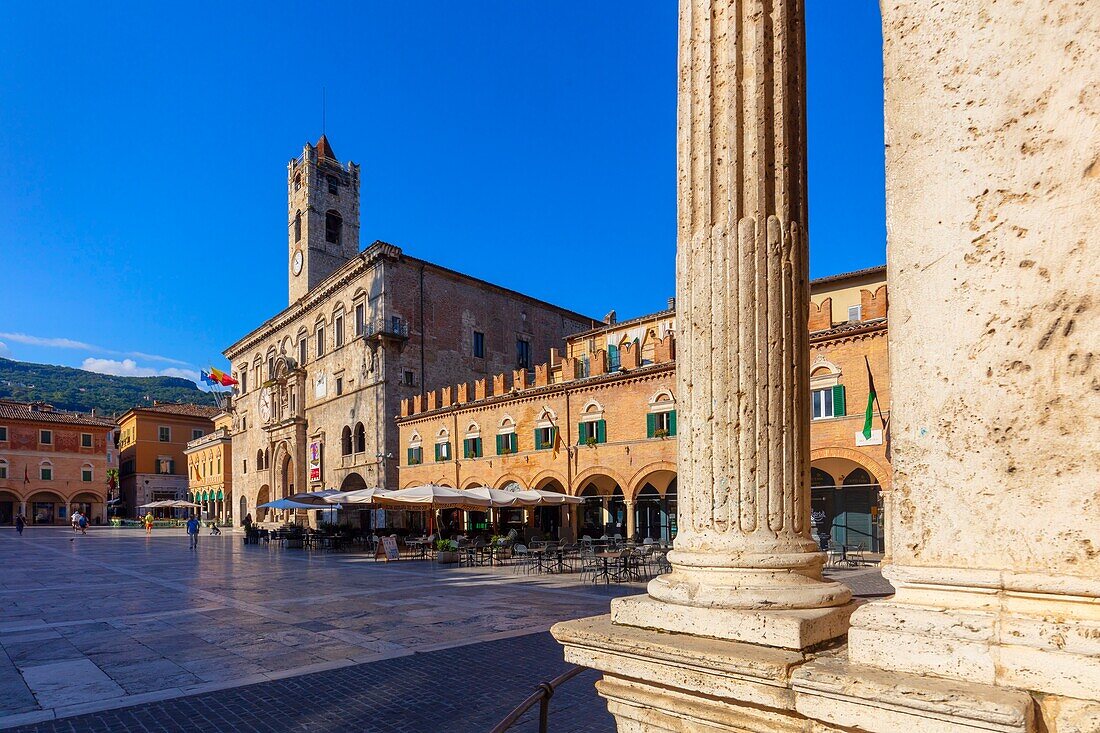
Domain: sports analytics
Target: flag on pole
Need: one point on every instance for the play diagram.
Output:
(222, 378)
(207, 378)
(871, 397)
(557, 442)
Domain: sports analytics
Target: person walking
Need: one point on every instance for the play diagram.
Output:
(20, 523)
(82, 522)
(74, 521)
(193, 531)
(149, 523)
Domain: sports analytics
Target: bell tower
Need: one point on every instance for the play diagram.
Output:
(322, 216)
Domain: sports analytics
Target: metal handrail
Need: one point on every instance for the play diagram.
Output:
(541, 696)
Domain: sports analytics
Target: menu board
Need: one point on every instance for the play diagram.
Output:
(388, 549)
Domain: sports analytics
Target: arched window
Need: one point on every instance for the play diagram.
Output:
(661, 417)
(303, 347)
(333, 227)
(345, 441)
(259, 460)
(298, 227)
(360, 438)
(297, 181)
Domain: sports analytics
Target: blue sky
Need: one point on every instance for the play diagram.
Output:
(143, 157)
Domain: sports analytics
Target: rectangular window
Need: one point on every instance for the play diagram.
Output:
(3, 470)
(45, 437)
(244, 465)
(507, 443)
(196, 433)
(360, 319)
(339, 386)
(592, 431)
(822, 403)
(85, 440)
(45, 473)
(544, 438)
(320, 339)
(855, 313)
(613, 358)
(442, 451)
(471, 448)
(166, 466)
(661, 424)
(3, 433)
(409, 378)
(523, 354)
(415, 456)
(86, 475)
(338, 328)
(244, 380)
(395, 325)
(164, 434)
(479, 344)
(303, 350)
(333, 186)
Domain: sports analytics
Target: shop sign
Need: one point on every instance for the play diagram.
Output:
(315, 462)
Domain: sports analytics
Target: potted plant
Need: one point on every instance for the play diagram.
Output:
(590, 442)
(660, 433)
(446, 551)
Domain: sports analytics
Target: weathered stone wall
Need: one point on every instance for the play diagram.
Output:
(997, 400)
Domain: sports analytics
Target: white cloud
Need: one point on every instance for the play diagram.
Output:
(65, 343)
(4, 350)
(130, 368)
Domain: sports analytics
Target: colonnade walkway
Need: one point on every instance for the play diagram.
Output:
(126, 631)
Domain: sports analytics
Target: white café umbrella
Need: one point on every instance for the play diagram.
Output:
(541, 497)
(357, 496)
(501, 498)
(432, 497)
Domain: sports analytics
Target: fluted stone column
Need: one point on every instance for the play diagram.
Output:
(744, 564)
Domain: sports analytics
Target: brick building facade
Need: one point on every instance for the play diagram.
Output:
(320, 382)
(610, 395)
(152, 441)
(52, 463)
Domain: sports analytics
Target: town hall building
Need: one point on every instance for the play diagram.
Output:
(320, 382)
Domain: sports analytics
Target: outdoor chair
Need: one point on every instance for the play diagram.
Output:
(522, 560)
(853, 554)
(623, 566)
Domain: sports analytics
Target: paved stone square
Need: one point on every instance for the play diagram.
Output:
(262, 638)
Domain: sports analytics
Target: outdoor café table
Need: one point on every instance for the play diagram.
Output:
(605, 571)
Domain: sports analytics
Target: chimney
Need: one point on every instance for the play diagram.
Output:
(672, 304)
(611, 318)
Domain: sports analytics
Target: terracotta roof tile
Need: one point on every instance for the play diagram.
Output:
(11, 410)
(186, 409)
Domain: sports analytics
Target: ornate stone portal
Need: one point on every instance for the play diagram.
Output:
(993, 122)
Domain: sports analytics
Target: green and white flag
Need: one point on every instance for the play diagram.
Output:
(871, 397)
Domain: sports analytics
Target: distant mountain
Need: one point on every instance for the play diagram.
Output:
(75, 389)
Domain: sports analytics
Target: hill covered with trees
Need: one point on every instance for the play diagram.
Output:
(67, 388)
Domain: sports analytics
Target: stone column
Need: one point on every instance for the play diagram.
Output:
(630, 520)
(744, 564)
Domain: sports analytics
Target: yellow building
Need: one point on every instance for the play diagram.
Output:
(152, 440)
(210, 474)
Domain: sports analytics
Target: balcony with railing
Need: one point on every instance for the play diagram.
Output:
(391, 328)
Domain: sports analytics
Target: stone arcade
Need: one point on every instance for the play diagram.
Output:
(992, 113)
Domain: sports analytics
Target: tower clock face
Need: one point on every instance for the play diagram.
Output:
(297, 262)
(265, 405)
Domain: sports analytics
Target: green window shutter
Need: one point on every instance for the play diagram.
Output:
(409, 457)
(580, 433)
(500, 444)
(538, 441)
(477, 448)
(601, 431)
(466, 448)
(513, 442)
(650, 425)
(437, 452)
(672, 423)
(838, 401)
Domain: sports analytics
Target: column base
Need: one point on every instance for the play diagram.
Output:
(1003, 630)
(797, 629)
(833, 691)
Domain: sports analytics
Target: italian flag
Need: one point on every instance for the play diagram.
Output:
(871, 397)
